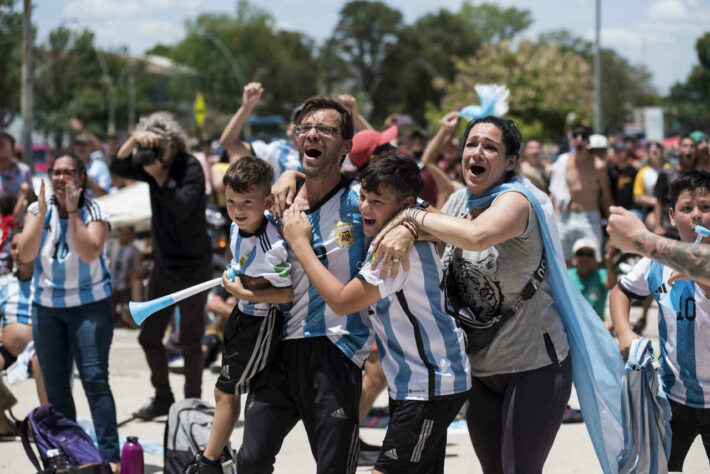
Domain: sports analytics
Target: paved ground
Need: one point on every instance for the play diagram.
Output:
(571, 453)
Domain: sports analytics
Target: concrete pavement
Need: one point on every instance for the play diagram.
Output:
(571, 453)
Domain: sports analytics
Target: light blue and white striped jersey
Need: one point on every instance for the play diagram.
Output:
(280, 154)
(61, 279)
(339, 243)
(99, 172)
(121, 262)
(684, 335)
(261, 254)
(15, 300)
(422, 350)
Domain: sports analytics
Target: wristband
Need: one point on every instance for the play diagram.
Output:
(73, 212)
(411, 228)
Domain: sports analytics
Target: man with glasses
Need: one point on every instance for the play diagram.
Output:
(316, 374)
(581, 193)
(157, 154)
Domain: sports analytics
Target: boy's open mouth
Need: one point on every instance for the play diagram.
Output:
(369, 221)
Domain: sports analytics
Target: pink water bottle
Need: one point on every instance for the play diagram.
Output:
(132, 457)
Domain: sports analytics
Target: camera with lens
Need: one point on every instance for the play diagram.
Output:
(146, 156)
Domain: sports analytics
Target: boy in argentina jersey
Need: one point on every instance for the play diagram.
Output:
(683, 321)
(260, 278)
(421, 348)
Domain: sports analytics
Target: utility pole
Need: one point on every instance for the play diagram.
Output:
(131, 97)
(27, 80)
(598, 71)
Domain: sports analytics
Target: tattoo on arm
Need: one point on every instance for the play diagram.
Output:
(690, 259)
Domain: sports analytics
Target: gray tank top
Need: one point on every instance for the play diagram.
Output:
(491, 281)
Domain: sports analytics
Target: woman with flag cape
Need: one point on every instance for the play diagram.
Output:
(527, 323)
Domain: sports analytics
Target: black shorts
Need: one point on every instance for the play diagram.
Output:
(686, 424)
(249, 345)
(416, 436)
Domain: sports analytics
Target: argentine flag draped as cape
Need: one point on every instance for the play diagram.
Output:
(597, 366)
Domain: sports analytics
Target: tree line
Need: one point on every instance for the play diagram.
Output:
(424, 69)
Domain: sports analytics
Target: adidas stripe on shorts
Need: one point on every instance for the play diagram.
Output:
(416, 436)
(249, 345)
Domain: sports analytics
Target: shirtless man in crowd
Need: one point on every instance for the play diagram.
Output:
(581, 193)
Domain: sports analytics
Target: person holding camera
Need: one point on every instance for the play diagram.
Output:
(156, 153)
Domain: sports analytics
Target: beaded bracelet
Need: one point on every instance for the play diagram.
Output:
(411, 228)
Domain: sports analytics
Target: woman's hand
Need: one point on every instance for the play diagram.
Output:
(72, 196)
(296, 228)
(284, 190)
(393, 246)
(42, 201)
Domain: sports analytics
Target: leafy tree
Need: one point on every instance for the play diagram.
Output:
(623, 85)
(689, 101)
(68, 82)
(362, 36)
(227, 51)
(10, 66)
(493, 23)
(545, 82)
(421, 62)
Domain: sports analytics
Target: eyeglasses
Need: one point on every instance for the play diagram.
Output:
(584, 253)
(60, 173)
(325, 130)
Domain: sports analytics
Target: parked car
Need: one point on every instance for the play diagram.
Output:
(41, 157)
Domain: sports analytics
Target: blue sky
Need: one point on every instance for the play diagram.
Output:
(660, 34)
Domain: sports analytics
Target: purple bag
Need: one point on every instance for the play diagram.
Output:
(52, 430)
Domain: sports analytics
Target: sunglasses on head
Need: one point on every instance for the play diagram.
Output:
(584, 253)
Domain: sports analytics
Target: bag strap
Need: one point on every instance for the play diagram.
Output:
(530, 287)
(25, 436)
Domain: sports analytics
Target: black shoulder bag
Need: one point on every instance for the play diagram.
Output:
(480, 333)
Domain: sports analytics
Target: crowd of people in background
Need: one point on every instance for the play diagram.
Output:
(60, 258)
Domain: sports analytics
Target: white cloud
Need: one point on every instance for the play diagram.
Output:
(98, 9)
(668, 10)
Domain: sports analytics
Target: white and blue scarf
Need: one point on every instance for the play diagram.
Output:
(597, 366)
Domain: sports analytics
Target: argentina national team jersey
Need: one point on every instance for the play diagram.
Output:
(122, 262)
(280, 154)
(684, 335)
(61, 279)
(422, 350)
(15, 300)
(261, 254)
(339, 243)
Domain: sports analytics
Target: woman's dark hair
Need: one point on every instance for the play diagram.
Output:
(511, 138)
(80, 170)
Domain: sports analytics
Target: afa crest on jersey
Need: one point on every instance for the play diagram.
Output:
(344, 236)
(243, 259)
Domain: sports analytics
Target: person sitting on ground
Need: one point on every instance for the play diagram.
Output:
(254, 327)
(683, 322)
(16, 310)
(408, 308)
(593, 282)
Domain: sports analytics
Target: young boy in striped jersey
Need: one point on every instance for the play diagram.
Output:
(684, 333)
(421, 349)
(263, 281)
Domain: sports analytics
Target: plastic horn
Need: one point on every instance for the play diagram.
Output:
(141, 311)
(702, 232)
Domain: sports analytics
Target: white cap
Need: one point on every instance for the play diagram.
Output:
(585, 243)
(597, 142)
